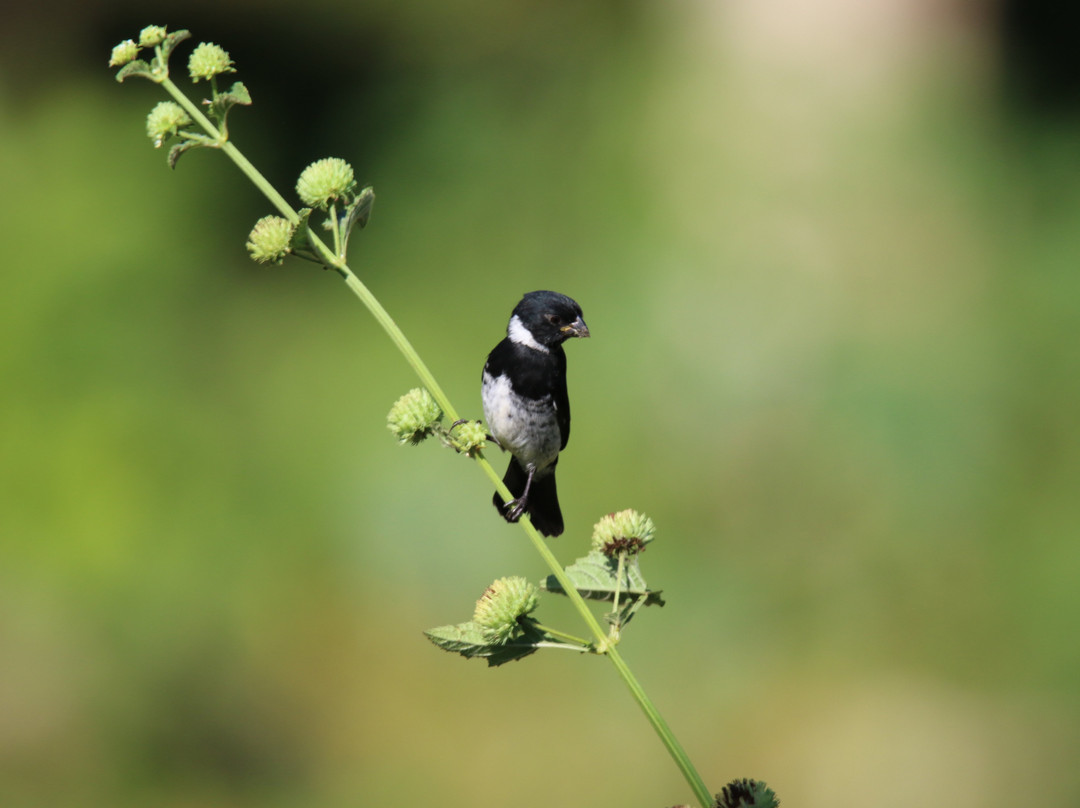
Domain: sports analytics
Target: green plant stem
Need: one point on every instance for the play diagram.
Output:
(252, 173)
(562, 635)
(667, 737)
(428, 380)
(618, 586)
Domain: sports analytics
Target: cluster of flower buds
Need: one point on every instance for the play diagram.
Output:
(207, 61)
(500, 608)
(623, 532)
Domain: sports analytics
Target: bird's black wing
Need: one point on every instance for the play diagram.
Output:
(559, 395)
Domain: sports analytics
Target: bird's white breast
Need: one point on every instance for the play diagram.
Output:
(525, 427)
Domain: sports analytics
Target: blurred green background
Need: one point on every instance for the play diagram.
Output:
(829, 254)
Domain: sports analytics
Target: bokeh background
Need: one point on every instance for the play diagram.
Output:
(830, 255)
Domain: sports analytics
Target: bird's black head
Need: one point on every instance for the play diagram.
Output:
(546, 318)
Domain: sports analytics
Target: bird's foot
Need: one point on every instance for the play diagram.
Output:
(488, 436)
(515, 508)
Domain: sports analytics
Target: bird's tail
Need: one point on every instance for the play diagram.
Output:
(543, 504)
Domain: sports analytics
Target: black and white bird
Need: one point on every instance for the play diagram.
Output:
(526, 406)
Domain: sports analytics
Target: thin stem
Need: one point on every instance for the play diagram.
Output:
(618, 587)
(252, 173)
(667, 737)
(335, 228)
(401, 341)
(562, 646)
(554, 632)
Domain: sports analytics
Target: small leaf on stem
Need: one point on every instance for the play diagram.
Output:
(223, 102)
(472, 640)
(595, 577)
(171, 41)
(136, 68)
(180, 148)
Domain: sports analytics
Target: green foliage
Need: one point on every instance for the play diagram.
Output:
(472, 641)
(135, 68)
(221, 103)
(597, 577)
(355, 214)
(157, 70)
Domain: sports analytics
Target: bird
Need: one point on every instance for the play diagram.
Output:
(526, 405)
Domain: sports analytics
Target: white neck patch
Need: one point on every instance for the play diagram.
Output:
(522, 336)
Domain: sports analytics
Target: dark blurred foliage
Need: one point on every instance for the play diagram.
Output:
(829, 256)
(1041, 61)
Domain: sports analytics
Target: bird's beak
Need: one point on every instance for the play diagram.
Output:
(576, 329)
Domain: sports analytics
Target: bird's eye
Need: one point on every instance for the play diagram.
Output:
(554, 319)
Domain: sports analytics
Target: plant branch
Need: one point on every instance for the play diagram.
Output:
(604, 644)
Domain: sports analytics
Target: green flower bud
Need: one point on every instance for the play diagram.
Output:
(270, 240)
(209, 60)
(468, 437)
(123, 53)
(325, 181)
(626, 531)
(164, 120)
(151, 35)
(501, 605)
(745, 793)
(414, 416)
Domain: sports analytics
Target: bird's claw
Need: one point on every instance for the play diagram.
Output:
(515, 508)
(488, 436)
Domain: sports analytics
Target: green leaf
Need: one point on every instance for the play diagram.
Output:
(180, 148)
(171, 41)
(594, 577)
(628, 608)
(356, 214)
(470, 640)
(300, 246)
(359, 212)
(239, 94)
(223, 102)
(136, 68)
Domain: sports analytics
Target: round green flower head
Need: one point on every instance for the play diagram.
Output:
(209, 60)
(151, 35)
(740, 793)
(325, 181)
(468, 437)
(123, 53)
(501, 605)
(414, 416)
(626, 531)
(270, 240)
(164, 120)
